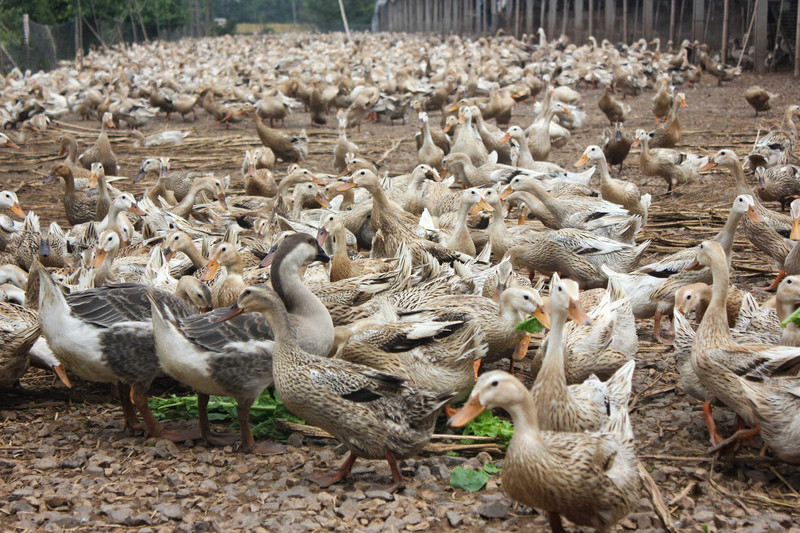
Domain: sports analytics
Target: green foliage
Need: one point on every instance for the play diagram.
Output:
(263, 413)
(325, 14)
(794, 318)
(488, 425)
(472, 480)
(529, 325)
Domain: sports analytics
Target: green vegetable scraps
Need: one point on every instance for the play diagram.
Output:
(488, 425)
(794, 317)
(263, 414)
(530, 325)
(472, 480)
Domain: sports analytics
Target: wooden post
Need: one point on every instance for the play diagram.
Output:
(578, 31)
(672, 22)
(591, 17)
(516, 18)
(726, 15)
(610, 16)
(529, 17)
(698, 16)
(492, 25)
(541, 13)
(564, 17)
(797, 43)
(760, 35)
(552, 11)
(625, 21)
(647, 19)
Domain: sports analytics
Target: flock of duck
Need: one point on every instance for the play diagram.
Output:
(271, 286)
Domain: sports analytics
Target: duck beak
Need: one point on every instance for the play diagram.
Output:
(505, 137)
(447, 127)
(319, 181)
(683, 103)
(251, 170)
(482, 205)
(136, 210)
(139, 175)
(762, 183)
(50, 177)
(321, 255)
(434, 175)
(452, 108)
(468, 413)
(542, 316)
(205, 309)
(755, 216)
(582, 161)
(233, 312)
(322, 235)
(267, 261)
(795, 235)
(211, 269)
(17, 210)
(711, 164)
(222, 201)
(12, 144)
(110, 124)
(322, 201)
(44, 248)
(61, 372)
(349, 184)
(99, 256)
(577, 313)
(507, 192)
(694, 265)
(635, 143)
(567, 112)
(168, 254)
(92, 179)
(443, 174)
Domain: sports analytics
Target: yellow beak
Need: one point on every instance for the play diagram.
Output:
(467, 414)
(577, 313)
(507, 192)
(542, 316)
(683, 103)
(482, 205)
(349, 184)
(711, 164)
(795, 235)
(99, 256)
(211, 269)
(582, 161)
(17, 210)
(322, 201)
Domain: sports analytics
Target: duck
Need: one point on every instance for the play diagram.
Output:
(492, 138)
(257, 181)
(98, 178)
(100, 151)
(159, 190)
(459, 239)
(467, 141)
(624, 193)
(288, 148)
(759, 99)
(616, 145)
(226, 290)
(662, 101)
(780, 183)
(209, 184)
(669, 134)
(787, 300)
(343, 146)
(539, 143)
(6, 141)
(676, 168)
(68, 148)
(109, 269)
(766, 234)
(341, 264)
(105, 335)
(614, 110)
(162, 138)
(652, 287)
(592, 479)
(746, 378)
(179, 241)
(374, 414)
(9, 200)
(78, 207)
(776, 146)
(221, 353)
(19, 330)
(429, 154)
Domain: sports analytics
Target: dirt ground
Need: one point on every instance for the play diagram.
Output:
(66, 465)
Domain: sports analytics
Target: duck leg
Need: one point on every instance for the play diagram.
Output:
(326, 480)
(713, 436)
(131, 420)
(397, 476)
(742, 434)
(153, 427)
(248, 443)
(777, 281)
(214, 439)
(657, 329)
(555, 522)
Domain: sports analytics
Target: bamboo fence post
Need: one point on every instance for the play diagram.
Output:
(726, 15)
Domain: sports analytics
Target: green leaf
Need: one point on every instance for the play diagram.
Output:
(488, 425)
(794, 317)
(530, 325)
(468, 479)
(490, 468)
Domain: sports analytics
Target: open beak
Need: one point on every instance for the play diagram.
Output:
(711, 164)
(139, 175)
(17, 210)
(467, 414)
(61, 372)
(543, 317)
(211, 269)
(222, 201)
(111, 124)
(505, 137)
(349, 184)
(482, 205)
(99, 256)
(507, 192)
(755, 216)
(322, 235)
(577, 313)
(233, 312)
(694, 265)
(168, 254)
(795, 234)
(582, 161)
(322, 201)
(136, 210)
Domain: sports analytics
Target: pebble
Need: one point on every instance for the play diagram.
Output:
(45, 463)
(454, 518)
(172, 511)
(347, 510)
(498, 510)
(381, 494)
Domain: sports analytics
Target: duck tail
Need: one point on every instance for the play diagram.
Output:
(620, 425)
(619, 386)
(639, 252)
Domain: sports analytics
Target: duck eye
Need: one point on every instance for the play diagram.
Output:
(526, 297)
(559, 288)
(495, 383)
(788, 282)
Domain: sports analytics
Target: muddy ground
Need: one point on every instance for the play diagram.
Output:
(65, 463)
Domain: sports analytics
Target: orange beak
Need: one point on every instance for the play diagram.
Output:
(233, 312)
(111, 124)
(222, 201)
(319, 181)
(694, 265)
(635, 143)
(795, 235)
(12, 144)
(17, 210)
(711, 164)
(448, 127)
(482, 205)
(543, 317)
(507, 192)
(577, 313)
(61, 372)
(349, 184)
(505, 138)
(567, 112)
(467, 414)
(92, 179)
(322, 201)
(755, 216)
(683, 103)
(582, 161)
(211, 269)
(136, 210)
(99, 256)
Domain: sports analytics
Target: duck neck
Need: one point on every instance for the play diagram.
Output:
(194, 255)
(552, 374)
(788, 123)
(553, 205)
(102, 188)
(234, 267)
(524, 415)
(426, 133)
(72, 149)
(605, 175)
(69, 183)
(727, 234)
(498, 228)
(741, 182)
(278, 319)
(715, 320)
